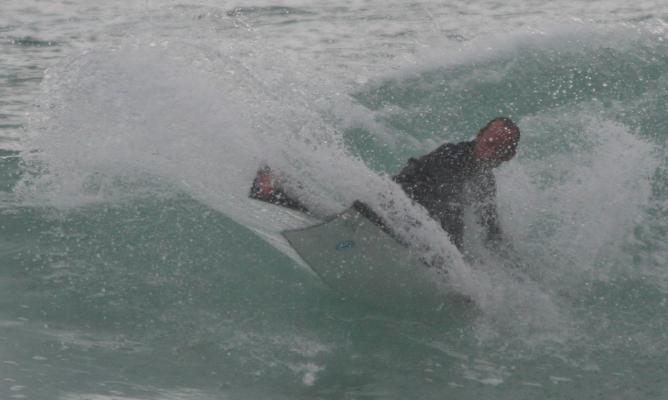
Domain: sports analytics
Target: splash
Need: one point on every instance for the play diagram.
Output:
(154, 118)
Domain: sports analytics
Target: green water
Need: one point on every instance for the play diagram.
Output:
(128, 264)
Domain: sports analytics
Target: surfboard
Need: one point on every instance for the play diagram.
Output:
(355, 254)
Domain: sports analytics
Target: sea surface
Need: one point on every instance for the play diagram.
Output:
(134, 267)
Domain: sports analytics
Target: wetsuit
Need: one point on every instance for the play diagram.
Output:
(447, 180)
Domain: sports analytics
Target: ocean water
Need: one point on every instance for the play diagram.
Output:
(133, 266)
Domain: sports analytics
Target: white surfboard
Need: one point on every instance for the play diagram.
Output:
(361, 259)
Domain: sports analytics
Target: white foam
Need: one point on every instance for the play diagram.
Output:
(567, 209)
(133, 120)
(309, 371)
(566, 34)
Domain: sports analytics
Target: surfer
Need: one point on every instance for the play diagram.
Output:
(454, 176)
(444, 181)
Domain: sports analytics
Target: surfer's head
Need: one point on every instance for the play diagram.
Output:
(496, 142)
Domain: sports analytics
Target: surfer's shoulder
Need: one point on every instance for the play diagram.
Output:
(452, 153)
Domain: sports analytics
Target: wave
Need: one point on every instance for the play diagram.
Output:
(121, 127)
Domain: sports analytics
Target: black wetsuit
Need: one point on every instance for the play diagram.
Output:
(447, 180)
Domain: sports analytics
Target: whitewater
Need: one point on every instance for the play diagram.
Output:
(133, 266)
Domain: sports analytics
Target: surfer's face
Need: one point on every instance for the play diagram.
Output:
(496, 143)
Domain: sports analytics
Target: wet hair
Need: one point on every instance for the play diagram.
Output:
(507, 123)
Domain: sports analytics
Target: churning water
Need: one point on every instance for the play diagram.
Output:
(133, 266)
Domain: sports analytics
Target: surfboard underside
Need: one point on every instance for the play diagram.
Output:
(361, 260)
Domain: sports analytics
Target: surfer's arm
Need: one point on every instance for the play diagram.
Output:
(486, 210)
(490, 221)
(452, 221)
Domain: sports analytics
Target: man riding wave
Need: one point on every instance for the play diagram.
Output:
(445, 181)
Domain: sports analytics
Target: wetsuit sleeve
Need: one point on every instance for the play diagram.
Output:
(452, 221)
(486, 207)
